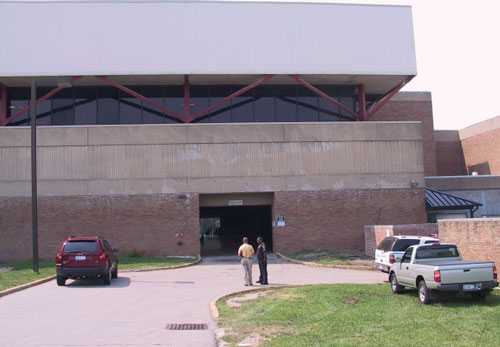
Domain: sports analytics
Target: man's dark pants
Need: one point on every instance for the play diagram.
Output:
(263, 271)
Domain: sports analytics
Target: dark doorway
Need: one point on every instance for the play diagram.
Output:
(223, 228)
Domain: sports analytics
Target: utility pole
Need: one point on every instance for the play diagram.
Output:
(34, 191)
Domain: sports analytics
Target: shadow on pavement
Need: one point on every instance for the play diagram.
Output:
(120, 282)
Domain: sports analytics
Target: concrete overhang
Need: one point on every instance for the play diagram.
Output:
(210, 40)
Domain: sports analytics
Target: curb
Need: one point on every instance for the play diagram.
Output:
(26, 285)
(312, 264)
(196, 262)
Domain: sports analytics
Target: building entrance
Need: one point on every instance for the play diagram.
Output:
(222, 228)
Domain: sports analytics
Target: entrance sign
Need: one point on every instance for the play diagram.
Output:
(280, 221)
(235, 203)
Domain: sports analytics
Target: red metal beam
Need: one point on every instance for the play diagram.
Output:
(187, 98)
(228, 98)
(143, 98)
(43, 98)
(3, 104)
(326, 96)
(377, 105)
(363, 115)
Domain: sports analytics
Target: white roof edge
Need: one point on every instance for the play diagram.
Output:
(181, 73)
(210, 1)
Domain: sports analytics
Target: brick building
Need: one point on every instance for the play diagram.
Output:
(475, 149)
(468, 165)
(178, 136)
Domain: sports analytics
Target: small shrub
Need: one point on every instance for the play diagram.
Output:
(136, 254)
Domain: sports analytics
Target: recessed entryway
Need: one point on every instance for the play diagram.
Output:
(226, 218)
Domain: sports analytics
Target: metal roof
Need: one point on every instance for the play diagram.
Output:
(436, 200)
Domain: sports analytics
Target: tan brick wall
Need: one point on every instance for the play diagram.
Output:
(334, 219)
(145, 223)
(482, 152)
(400, 109)
(477, 239)
(376, 233)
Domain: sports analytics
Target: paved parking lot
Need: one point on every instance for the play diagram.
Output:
(136, 308)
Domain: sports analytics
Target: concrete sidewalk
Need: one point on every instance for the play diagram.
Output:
(135, 309)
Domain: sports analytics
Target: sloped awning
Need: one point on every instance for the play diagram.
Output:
(436, 200)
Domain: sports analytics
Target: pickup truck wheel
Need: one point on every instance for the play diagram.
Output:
(424, 293)
(395, 286)
(480, 295)
(61, 281)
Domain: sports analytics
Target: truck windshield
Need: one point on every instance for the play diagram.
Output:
(81, 246)
(437, 252)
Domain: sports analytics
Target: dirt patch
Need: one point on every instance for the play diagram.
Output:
(287, 295)
(253, 340)
(248, 337)
(351, 301)
(6, 268)
(237, 301)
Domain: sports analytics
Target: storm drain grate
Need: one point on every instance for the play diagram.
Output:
(187, 326)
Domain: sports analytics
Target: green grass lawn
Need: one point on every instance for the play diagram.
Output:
(333, 258)
(21, 272)
(361, 315)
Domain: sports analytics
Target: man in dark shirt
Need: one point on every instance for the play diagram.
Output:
(262, 258)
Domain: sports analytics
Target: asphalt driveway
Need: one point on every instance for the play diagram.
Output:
(136, 308)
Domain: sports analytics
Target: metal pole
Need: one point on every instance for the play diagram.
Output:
(34, 192)
(187, 98)
(362, 102)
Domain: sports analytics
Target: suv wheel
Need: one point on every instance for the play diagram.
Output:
(424, 293)
(395, 286)
(114, 274)
(61, 281)
(107, 277)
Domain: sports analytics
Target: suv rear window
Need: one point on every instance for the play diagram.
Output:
(81, 246)
(386, 244)
(402, 244)
(437, 252)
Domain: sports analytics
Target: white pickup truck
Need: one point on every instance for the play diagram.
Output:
(440, 267)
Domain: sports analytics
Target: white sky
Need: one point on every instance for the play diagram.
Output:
(458, 57)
